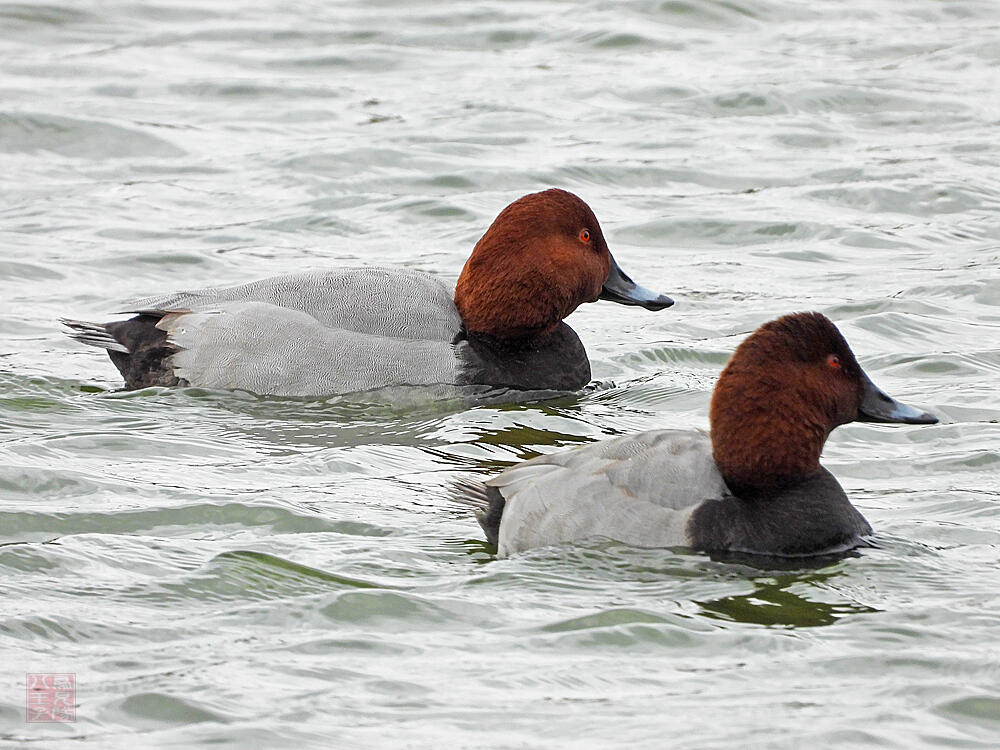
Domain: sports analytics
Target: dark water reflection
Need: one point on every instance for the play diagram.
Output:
(773, 603)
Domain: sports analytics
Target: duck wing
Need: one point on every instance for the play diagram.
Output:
(309, 334)
(638, 489)
(394, 302)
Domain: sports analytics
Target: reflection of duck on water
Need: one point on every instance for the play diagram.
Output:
(771, 602)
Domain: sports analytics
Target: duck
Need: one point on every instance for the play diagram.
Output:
(753, 484)
(360, 329)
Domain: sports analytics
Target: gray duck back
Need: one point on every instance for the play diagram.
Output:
(313, 334)
(639, 489)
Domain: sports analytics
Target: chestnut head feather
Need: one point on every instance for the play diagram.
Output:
(542, 257)
(786, 387)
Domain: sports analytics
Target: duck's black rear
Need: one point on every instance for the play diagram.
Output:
(136, 346)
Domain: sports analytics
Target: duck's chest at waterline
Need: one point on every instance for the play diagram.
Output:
(556, 362)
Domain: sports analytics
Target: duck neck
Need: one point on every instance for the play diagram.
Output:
(760, 441)
(507, 301)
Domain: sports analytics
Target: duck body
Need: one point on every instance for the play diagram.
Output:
(638, 489)
(321, 333)
(661, 488)
(753, 485)
(359, 329)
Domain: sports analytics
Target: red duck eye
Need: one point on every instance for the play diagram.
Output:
(585, 235)
(834, 361)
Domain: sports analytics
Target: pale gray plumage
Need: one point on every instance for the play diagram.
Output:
(346, 331)
(394, 302)
(637, 489)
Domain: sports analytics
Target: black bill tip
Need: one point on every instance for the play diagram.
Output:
(878, 406)
(621, 289)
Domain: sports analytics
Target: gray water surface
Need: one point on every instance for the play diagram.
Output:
(227, 570)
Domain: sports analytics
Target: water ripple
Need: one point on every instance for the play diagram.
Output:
(220, 568)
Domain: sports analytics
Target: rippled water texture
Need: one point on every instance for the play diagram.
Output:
(220, 569)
